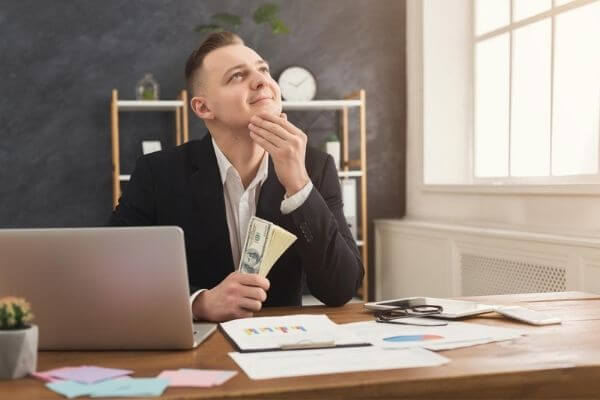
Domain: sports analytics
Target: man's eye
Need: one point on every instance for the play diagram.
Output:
(266, 70)
(237, 75)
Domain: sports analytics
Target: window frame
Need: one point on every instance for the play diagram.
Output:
(582, 183)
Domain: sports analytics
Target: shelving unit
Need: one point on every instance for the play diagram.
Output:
(116, 106)
(350, 169)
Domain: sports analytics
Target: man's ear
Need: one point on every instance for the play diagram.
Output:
(200, 107)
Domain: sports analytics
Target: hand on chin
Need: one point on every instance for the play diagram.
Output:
(272, 107)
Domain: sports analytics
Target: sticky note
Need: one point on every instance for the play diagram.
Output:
(89, 374)
(196, 377)
(130, 387)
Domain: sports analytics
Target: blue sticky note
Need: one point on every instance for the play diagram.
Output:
(69, 389)
(130, 387)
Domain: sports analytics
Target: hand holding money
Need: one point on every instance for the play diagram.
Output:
(237, 296)
(265, 243)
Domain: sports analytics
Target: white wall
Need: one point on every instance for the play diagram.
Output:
(447, 90)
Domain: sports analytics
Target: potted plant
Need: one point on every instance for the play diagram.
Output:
(18, 339)
(266, 14)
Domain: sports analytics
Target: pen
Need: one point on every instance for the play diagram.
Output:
(307, 345)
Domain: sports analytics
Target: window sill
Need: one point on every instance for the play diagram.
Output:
(578, 189)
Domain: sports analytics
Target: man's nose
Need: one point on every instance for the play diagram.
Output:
(258, 81)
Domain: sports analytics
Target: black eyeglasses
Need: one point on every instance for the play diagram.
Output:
(395, 315)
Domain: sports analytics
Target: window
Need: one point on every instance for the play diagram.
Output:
(536, 91)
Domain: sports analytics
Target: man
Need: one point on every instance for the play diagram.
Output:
(253, 162)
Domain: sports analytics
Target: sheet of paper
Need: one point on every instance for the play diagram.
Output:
(280, 364)
(197, 377)
(269, 333)
(454, 335)
(88, 374)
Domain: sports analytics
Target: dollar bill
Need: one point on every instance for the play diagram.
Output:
(255, 246)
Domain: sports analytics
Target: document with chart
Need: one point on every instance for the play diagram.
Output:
(289, 332)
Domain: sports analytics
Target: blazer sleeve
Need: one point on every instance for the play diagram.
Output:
(328, 251)
(137, 203)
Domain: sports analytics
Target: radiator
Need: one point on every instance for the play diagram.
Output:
(484, 275)
(416, 258)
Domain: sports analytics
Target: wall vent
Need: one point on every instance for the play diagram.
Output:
(484, 275)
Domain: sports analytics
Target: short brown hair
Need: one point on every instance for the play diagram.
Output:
(212, 42)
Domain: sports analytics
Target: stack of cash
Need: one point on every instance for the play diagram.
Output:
(265, 243)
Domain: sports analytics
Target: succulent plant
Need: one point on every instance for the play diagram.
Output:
(15, 313)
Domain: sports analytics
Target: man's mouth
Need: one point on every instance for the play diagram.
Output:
(261, 98)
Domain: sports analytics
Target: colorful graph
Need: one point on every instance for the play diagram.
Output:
(274, 329)
(412, 338)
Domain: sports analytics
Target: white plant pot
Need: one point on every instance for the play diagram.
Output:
(18, 352)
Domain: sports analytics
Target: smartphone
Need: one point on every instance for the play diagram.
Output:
(398, 303)
(452, 309)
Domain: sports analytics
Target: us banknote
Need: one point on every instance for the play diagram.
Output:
(265, 243)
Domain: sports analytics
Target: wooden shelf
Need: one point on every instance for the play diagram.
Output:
(319, 105)
(181, 130)
(149, 105)
(350, 174)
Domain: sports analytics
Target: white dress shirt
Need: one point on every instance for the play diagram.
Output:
(240, 203)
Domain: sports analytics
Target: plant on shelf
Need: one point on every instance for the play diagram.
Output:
(266, 14)
(18, 338)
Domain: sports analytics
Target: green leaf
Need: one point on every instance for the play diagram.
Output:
(208, 28)
(266, 13)
(279, 27)
(227, 19)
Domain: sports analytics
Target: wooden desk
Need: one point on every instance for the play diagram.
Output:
(560, 361)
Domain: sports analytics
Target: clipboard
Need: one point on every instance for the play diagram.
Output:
(288, 333)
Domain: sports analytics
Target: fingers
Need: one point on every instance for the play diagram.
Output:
(270, 126)
(253, 280)
(252, 293)
(264, 143)
(250, 305)
(272, 137)
(281, 121)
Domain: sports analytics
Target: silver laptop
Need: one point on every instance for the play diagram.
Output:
(103, 288)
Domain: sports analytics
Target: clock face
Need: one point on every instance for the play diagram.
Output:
(297, 84)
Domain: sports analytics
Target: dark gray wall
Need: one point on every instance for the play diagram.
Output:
(60, 60)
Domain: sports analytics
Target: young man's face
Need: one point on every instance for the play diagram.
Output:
(236, 84)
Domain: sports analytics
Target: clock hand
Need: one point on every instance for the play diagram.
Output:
(299, 83)
(302, 81)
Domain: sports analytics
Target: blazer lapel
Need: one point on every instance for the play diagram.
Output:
(271, 195)
(207, 189)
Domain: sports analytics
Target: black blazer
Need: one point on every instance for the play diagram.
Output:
(182, 187)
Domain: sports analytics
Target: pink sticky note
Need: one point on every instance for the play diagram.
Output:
(47, 375)
(90, 374)
(195, 377)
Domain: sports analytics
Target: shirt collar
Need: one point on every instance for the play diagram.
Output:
(224, 165)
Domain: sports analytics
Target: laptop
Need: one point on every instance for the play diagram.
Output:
(103, 288)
